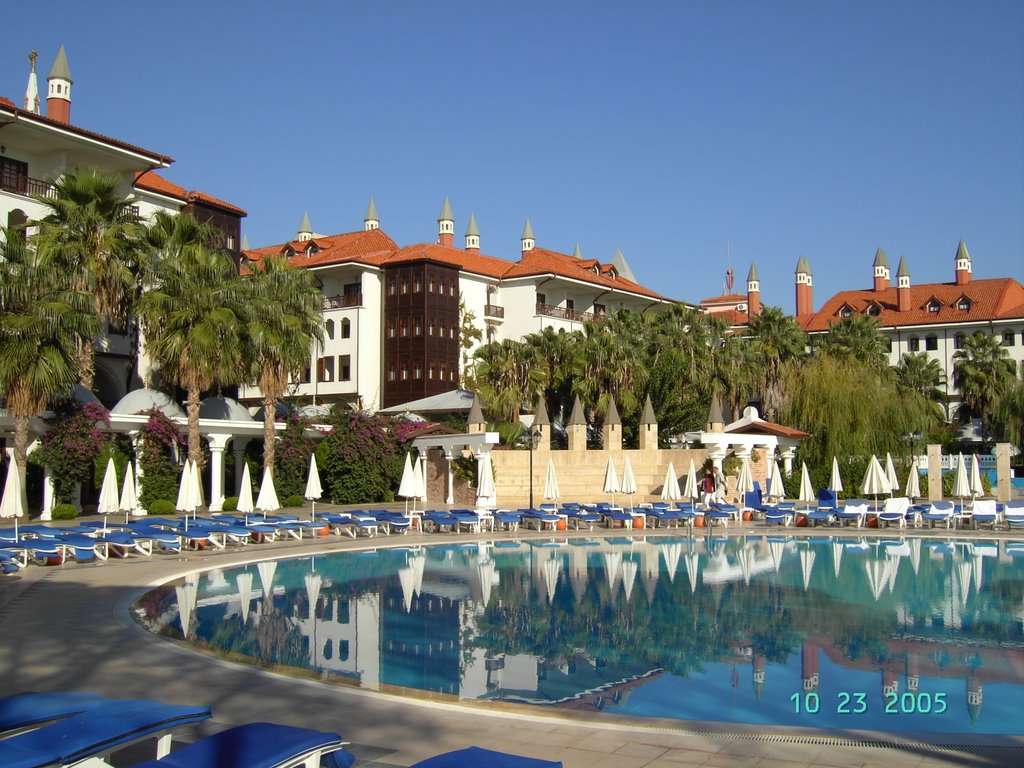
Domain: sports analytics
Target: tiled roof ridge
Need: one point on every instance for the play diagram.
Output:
(154, 182)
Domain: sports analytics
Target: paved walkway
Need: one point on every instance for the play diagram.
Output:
(68, 627)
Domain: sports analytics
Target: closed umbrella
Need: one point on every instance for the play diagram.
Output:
(629, 571)
(186, 594)
(313, 488)
(670, 489)
(913, 484)
(244, 581)
(108, 503)
(745, 481)
(672, 553)
(612, 569)
(961, 485)
(245, 502)
(313, 583)
(890, 474)
(419, 481)
(485, 485)
(807, 494)
(551, 491)
(129, 501)
(628, 481)
(184, 488)
(267, 569)
(196, 479)
(692, 492)
(835, 482)
(875, 482)
(806, 566)
(267, 500)
(405, 578)
(12, 504)
(977, 489)
(611, 479)
(776, 488)
(408, 483)
(552, 569)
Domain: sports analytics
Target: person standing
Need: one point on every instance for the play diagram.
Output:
(707, 487)
(719, 485)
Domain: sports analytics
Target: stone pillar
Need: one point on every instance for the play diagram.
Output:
(717, 453)
(451, 480)
(1002, 471)
(934, 472)
(788, 454)
(136, 438)
(217, 445)
(47, 494)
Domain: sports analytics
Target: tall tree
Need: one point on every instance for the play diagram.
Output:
(922, 374)
(509, 376)
(193, 313)
(778, 341)
(92, 231)
(287, 318)
(44, 318)
(858, 337)
(982, 372)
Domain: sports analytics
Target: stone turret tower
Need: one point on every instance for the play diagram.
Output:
(903, 286)
(577, 427)
(446, 225)
(804, 288)
(541, 420)
(305, 228)
(371, 220)
(881, 271)
(753, 291)
(475, 421)
(648, 427)
(472, 234)
(58, 95)
(963, 264)
(612, 429)
(528, 240)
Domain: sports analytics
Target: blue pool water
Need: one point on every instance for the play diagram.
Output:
(900, 634)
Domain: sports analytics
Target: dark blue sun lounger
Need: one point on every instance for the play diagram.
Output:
(475, 757)
(28, 709)
(259, 745)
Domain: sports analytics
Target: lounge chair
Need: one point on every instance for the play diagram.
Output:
(940, 512)
(26, 710)
(662, 516)
(475, 757)
(260, 745)
(435, 520)
(721, 514)
(96, 732)
(578, 517)
(781, 514)
(985, 512)
(392, 521)
(539, 519)
(854, 511)
(507, 519)
(1013, 514)
(894, 511)
(827, 499)
(468, 520)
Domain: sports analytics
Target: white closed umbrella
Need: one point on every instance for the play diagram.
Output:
(313, 583)
(612, 569)
(890, 474)
(108, 503)
(197, 489)
(961, 485)
(186, 594)
(552, 569)
(407, 486)
(692, 569)
(267, 569)
(776, 488)
(129, 501)
(807, 494)
(691, 491)
(245, 502)
(913, 484)
(875, 482)
(611, 479)
(628, 480)
(835, 481)
(672, 554)
(745, 481)
(629, 571)
(746, 558)
(977, 489)
(551, 491)
(806, 566)
(184, 488)
(244, 581)
(267, 499)
(485, 484)
(419, 481)
(313, 488)
(670, 488)
(837, 556)
(405, 578)
(486, 571)
(12, 504)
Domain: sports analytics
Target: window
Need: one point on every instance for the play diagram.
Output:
(599, 310)
(430, 328)
(346, 328)
(451, 332)
(888, 344)
(392, 287)
(325, 369)
(405, 329)
(306, 373)
(964, 304)
(391, 329)
(845, 312)
(417, 285)
(958, 341)
(430, 285)
(405, 286)
(419, 328)
(931, 343)
(874, 310)
(17, 221)
(391, 373)
(913, 344)
(230, 242)
(405, 372)
(444, 372)
(14, 175)
(1009, 338)
(430, 371)
(570, 304)
(417, 372)
(329, 329)
(451, 288)
(542, 298)
(344, 368)
(934, 306)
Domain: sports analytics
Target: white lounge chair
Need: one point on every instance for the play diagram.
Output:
(894, 511)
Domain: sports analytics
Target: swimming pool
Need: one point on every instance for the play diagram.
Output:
(892, 634)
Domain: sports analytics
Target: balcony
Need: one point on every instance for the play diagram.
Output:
(346, 300)
(20, 184)
(493, 310)
(562, 313)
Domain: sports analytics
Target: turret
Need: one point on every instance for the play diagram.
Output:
(881, 271)
(472, 235)
(804, 288)
(305, 228)
(612, 429)
(541, 426)
(577, 427)
(963, 264)
(648, 427)
(475, 421)
(32, 89)
(753, 291)
(446, 225)
(528, 240)
(58, 96)
(371, 220)
(716, 421)
(903, 286)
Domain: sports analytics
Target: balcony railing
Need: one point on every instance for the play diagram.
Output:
(550, 310)
(346, 300)
(493, 310)
(27, 186)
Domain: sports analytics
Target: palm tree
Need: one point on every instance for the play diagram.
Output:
(43, 320)
(92, 231)
(192, 313)
(1011, 413)
(508, 376)
(778, 340)
(982, 373)
(858, 337)
(922, 374)
(280, 333)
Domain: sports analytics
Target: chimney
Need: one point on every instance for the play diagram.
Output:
(753, 291)
(528, 240)
(371, 220)
(58, 97)
(804, 288)
(963, 264)
(903, 286)
(446, 225)
(472, 235)
(881, 267)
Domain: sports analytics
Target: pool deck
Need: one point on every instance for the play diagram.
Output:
(68, 627)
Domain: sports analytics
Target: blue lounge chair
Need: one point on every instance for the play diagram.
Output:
(894, 512)
(96, 732)
(475, 757)
(1013, 514)
(31, 709)
(940, 512)
(985, 512)
(613, 517)
(827, 499)
(260, 745)
(539, 519)
(855, 511)
(508, 519)
(577, 517)
(780, 514)
(436, 520)
(721, 514)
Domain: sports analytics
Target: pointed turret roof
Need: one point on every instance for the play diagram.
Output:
(715, 413)
(611, 416)
(371, 212)
(476, 414)
(752, 274)
(60, 68)
(305, 226)
(880, 260)
(622, 266)
(446, 211)
(540, 416)
(577, 252)
(648, 417)
(471, 227)
(803, 265)
(245, 242)
(576, 417)
(961, 251)
(527, 232)
(903, 271)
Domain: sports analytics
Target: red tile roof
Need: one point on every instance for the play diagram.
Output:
(467, 261)
(199, 196)
(990, 299)
(154, 182)
(368, 247)
(768, 427)
(726, 298)
(33, 117)
(540, 261)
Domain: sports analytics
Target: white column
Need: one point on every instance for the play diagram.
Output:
(451, 480)
(217, 445)
(787, 460)
(717, 452)
(47, 494)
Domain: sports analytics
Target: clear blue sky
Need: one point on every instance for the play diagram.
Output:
(665, 129)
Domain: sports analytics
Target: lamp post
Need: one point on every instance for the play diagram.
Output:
(534, 434)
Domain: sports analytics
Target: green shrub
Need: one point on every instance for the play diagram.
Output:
(359, 460)
(161, 507)
(293, 501)
(230, 504)
(64, 512)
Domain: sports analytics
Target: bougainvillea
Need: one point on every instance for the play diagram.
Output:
(76, 436)
(359, 460)
(403, 428)
(160, 473)
(291, 457)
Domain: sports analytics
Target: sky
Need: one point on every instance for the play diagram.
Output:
(685, 134)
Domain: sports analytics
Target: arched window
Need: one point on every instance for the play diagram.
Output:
(346, 328)
(913, 344)
(329, 329)
(16, 223)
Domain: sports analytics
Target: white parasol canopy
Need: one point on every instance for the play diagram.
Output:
(629, 571)
(551, 491)
(977, 489)
(890, 474)
(245, 502)
(186, 594)
(552, 568)
(913, 484)
(13, 503)
(108, 503)
(185, 489)
(807, 566)
(485, 485)
(267, 500)
(746, 558)
(267, 569)
(875, 482)
(777, 549)
(129, 501)
(670, 489)
(611, 479)
(835, 482)
(419, 480)
(406, 576)
(628, 480)
(197, 489)
(407, 486)
(961, 485)
(837, 556)
(807, 494)
(313, 583)
(244, 581)
(692, 565)
(776, 488)
(672, 553)
(612, 569)
(313, 488)
(745, 481)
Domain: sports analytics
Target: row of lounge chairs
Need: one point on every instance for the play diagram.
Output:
(39, 730)
(900, 512)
